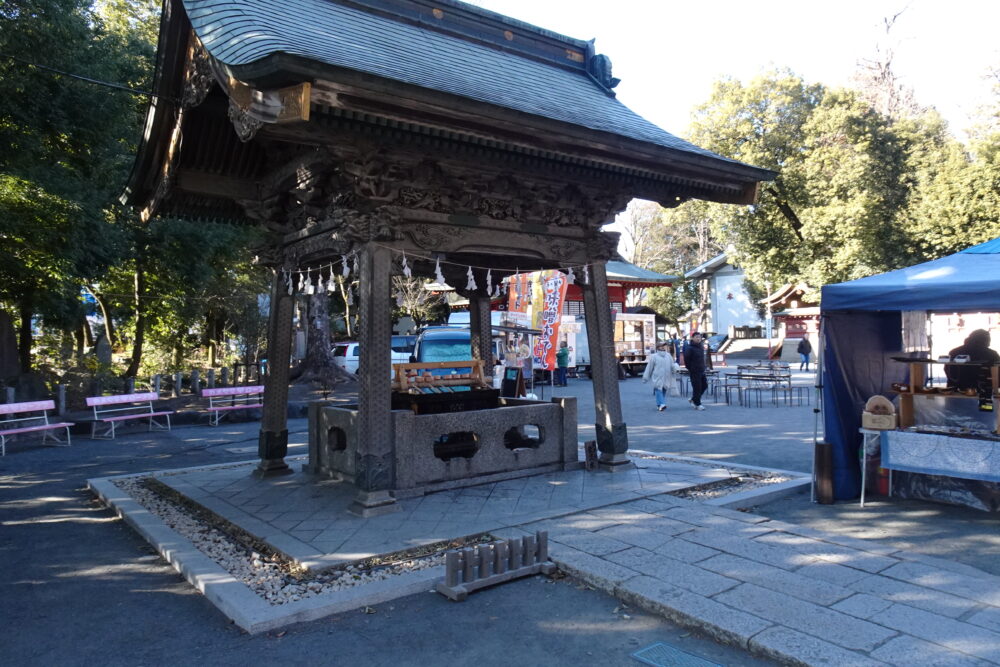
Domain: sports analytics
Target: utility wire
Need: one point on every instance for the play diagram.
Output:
(86, 79)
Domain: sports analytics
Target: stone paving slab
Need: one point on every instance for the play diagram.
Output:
(685, 608)
(955, 635)
(834, 553)
(790, 593)
(827, 624)
(776, 579)
(793, 647)
(895, 590)
(907, 651)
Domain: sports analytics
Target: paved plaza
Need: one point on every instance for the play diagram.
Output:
(749, 581)
(308, 520)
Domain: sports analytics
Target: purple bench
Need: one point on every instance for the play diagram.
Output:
(226, 399)
(32, 423)
(137, 406)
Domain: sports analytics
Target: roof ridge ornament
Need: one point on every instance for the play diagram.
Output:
(599, 69)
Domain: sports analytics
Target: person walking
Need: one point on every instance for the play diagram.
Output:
(804, 349)
(695, 362)
(562, 363)
(660, 371)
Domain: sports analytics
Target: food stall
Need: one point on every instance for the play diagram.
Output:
(945, 446)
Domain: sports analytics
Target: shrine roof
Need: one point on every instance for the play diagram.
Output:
(634, 276)
(445, 46)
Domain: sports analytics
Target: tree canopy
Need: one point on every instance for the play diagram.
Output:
(858, 191)
(70, 117)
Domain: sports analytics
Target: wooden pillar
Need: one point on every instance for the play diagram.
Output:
(375, 463)
(612, 438)
(481, 326)
(272, 444)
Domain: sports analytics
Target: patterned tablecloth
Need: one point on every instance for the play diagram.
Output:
(967, 458)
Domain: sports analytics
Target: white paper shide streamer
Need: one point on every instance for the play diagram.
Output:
(471, 283)
(438, 276)
(406, 268)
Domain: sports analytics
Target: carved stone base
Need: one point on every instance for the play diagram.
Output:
(323, 473)
(373, 503)
(268, 468)
(272, 444)
(614, 462)
(613, 441)
(272, 447)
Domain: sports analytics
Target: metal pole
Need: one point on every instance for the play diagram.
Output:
(767, 320)
(818, 409)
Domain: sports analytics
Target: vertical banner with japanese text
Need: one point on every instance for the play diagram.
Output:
(535, 300)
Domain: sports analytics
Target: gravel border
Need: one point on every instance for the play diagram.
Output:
(270, 574)
(234, 598)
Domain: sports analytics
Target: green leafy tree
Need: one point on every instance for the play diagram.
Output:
(65, 147)
(181, 285)
(859, 191)
(761, 123)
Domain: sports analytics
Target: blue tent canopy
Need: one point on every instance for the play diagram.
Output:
(967, 280)
(862, 329)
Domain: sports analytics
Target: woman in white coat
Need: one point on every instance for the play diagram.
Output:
(660, 371)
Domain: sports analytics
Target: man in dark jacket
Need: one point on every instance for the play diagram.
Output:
(804, 349)
(974, 375)
(694, 361)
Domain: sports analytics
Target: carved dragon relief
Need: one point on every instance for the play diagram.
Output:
(199, 78)
(372, 174)
(603, 246)
(508, 197)
(353, 199)
(246, 126)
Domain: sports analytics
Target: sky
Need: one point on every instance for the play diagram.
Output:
(667, 53)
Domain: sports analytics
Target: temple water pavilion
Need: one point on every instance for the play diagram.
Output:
(387, 136)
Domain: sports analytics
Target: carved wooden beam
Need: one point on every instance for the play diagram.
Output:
(214, 185)
(251, 108)
(711, 178)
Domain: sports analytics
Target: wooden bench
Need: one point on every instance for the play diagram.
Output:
(14, 425)
(136, 406)
(227, 399)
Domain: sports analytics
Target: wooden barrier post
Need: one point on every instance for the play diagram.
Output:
(195, 382)
(211, 378)
(60, 399)
(484, 565)
(178, 379)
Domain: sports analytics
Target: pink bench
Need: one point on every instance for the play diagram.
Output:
(14, 425)
(226, 399)
(137, 406)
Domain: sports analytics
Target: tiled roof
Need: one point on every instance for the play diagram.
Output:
(241, 32)
(628, 272)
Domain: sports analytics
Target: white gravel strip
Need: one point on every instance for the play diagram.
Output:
(736, 485)
(269, 577)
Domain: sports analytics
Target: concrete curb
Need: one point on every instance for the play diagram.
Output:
(233, 598)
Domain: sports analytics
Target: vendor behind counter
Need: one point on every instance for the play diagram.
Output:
(976, 375)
